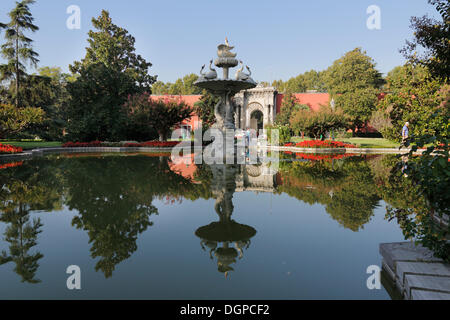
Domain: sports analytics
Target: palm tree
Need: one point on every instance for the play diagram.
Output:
(18, 48)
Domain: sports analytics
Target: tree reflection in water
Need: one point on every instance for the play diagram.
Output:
(345, 187)
(114, 201)
(23, 190)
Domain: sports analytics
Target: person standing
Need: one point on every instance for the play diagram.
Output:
(405, 135)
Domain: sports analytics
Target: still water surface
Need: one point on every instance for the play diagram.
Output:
(141, 227)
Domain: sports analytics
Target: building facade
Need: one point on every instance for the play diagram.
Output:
(258, 107)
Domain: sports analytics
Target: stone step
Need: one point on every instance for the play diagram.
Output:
(422, 268)
(428, 295)
(426, 283)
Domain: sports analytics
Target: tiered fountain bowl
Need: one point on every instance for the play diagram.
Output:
(225, 88)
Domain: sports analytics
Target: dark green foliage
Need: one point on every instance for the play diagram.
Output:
(95, 110)
(204, 109)
(152, 115)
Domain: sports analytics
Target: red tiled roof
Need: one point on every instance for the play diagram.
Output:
(312, 100)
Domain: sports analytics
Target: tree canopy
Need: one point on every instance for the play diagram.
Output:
(353, 81)
(310, 80)
(182, 86)
(114, 47)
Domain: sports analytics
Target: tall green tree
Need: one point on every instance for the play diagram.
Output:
(110, 72)
(18, 50)
(353, 81)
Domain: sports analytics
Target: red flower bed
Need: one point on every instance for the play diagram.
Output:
(11, 165)
(92, 144)
(153, 144)
(6, 148)
(324, 144)
(323, 157)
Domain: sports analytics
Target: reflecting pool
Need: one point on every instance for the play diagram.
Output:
(143, 227)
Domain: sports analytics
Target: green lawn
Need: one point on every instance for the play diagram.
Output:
(362, 142)
(28, 145)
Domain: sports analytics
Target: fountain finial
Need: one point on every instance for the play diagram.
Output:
(224, 50)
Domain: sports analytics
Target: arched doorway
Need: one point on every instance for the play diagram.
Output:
(257, 120)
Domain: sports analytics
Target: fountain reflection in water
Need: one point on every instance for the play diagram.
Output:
(225, 239)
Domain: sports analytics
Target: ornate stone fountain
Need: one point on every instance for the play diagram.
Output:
(226, 231)
(225, 88)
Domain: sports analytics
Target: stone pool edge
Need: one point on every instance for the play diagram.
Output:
(415, 272)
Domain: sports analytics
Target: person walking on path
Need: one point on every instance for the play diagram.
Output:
(405, 136)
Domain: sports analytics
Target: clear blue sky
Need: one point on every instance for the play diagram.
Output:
(278, 39)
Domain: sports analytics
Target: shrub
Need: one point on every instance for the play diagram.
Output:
(317, 124)
(160, 115)
(14, 120)
(283, 131)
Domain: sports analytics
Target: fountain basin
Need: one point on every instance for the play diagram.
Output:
(220, 86)
(229, 231)
(226, 62)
